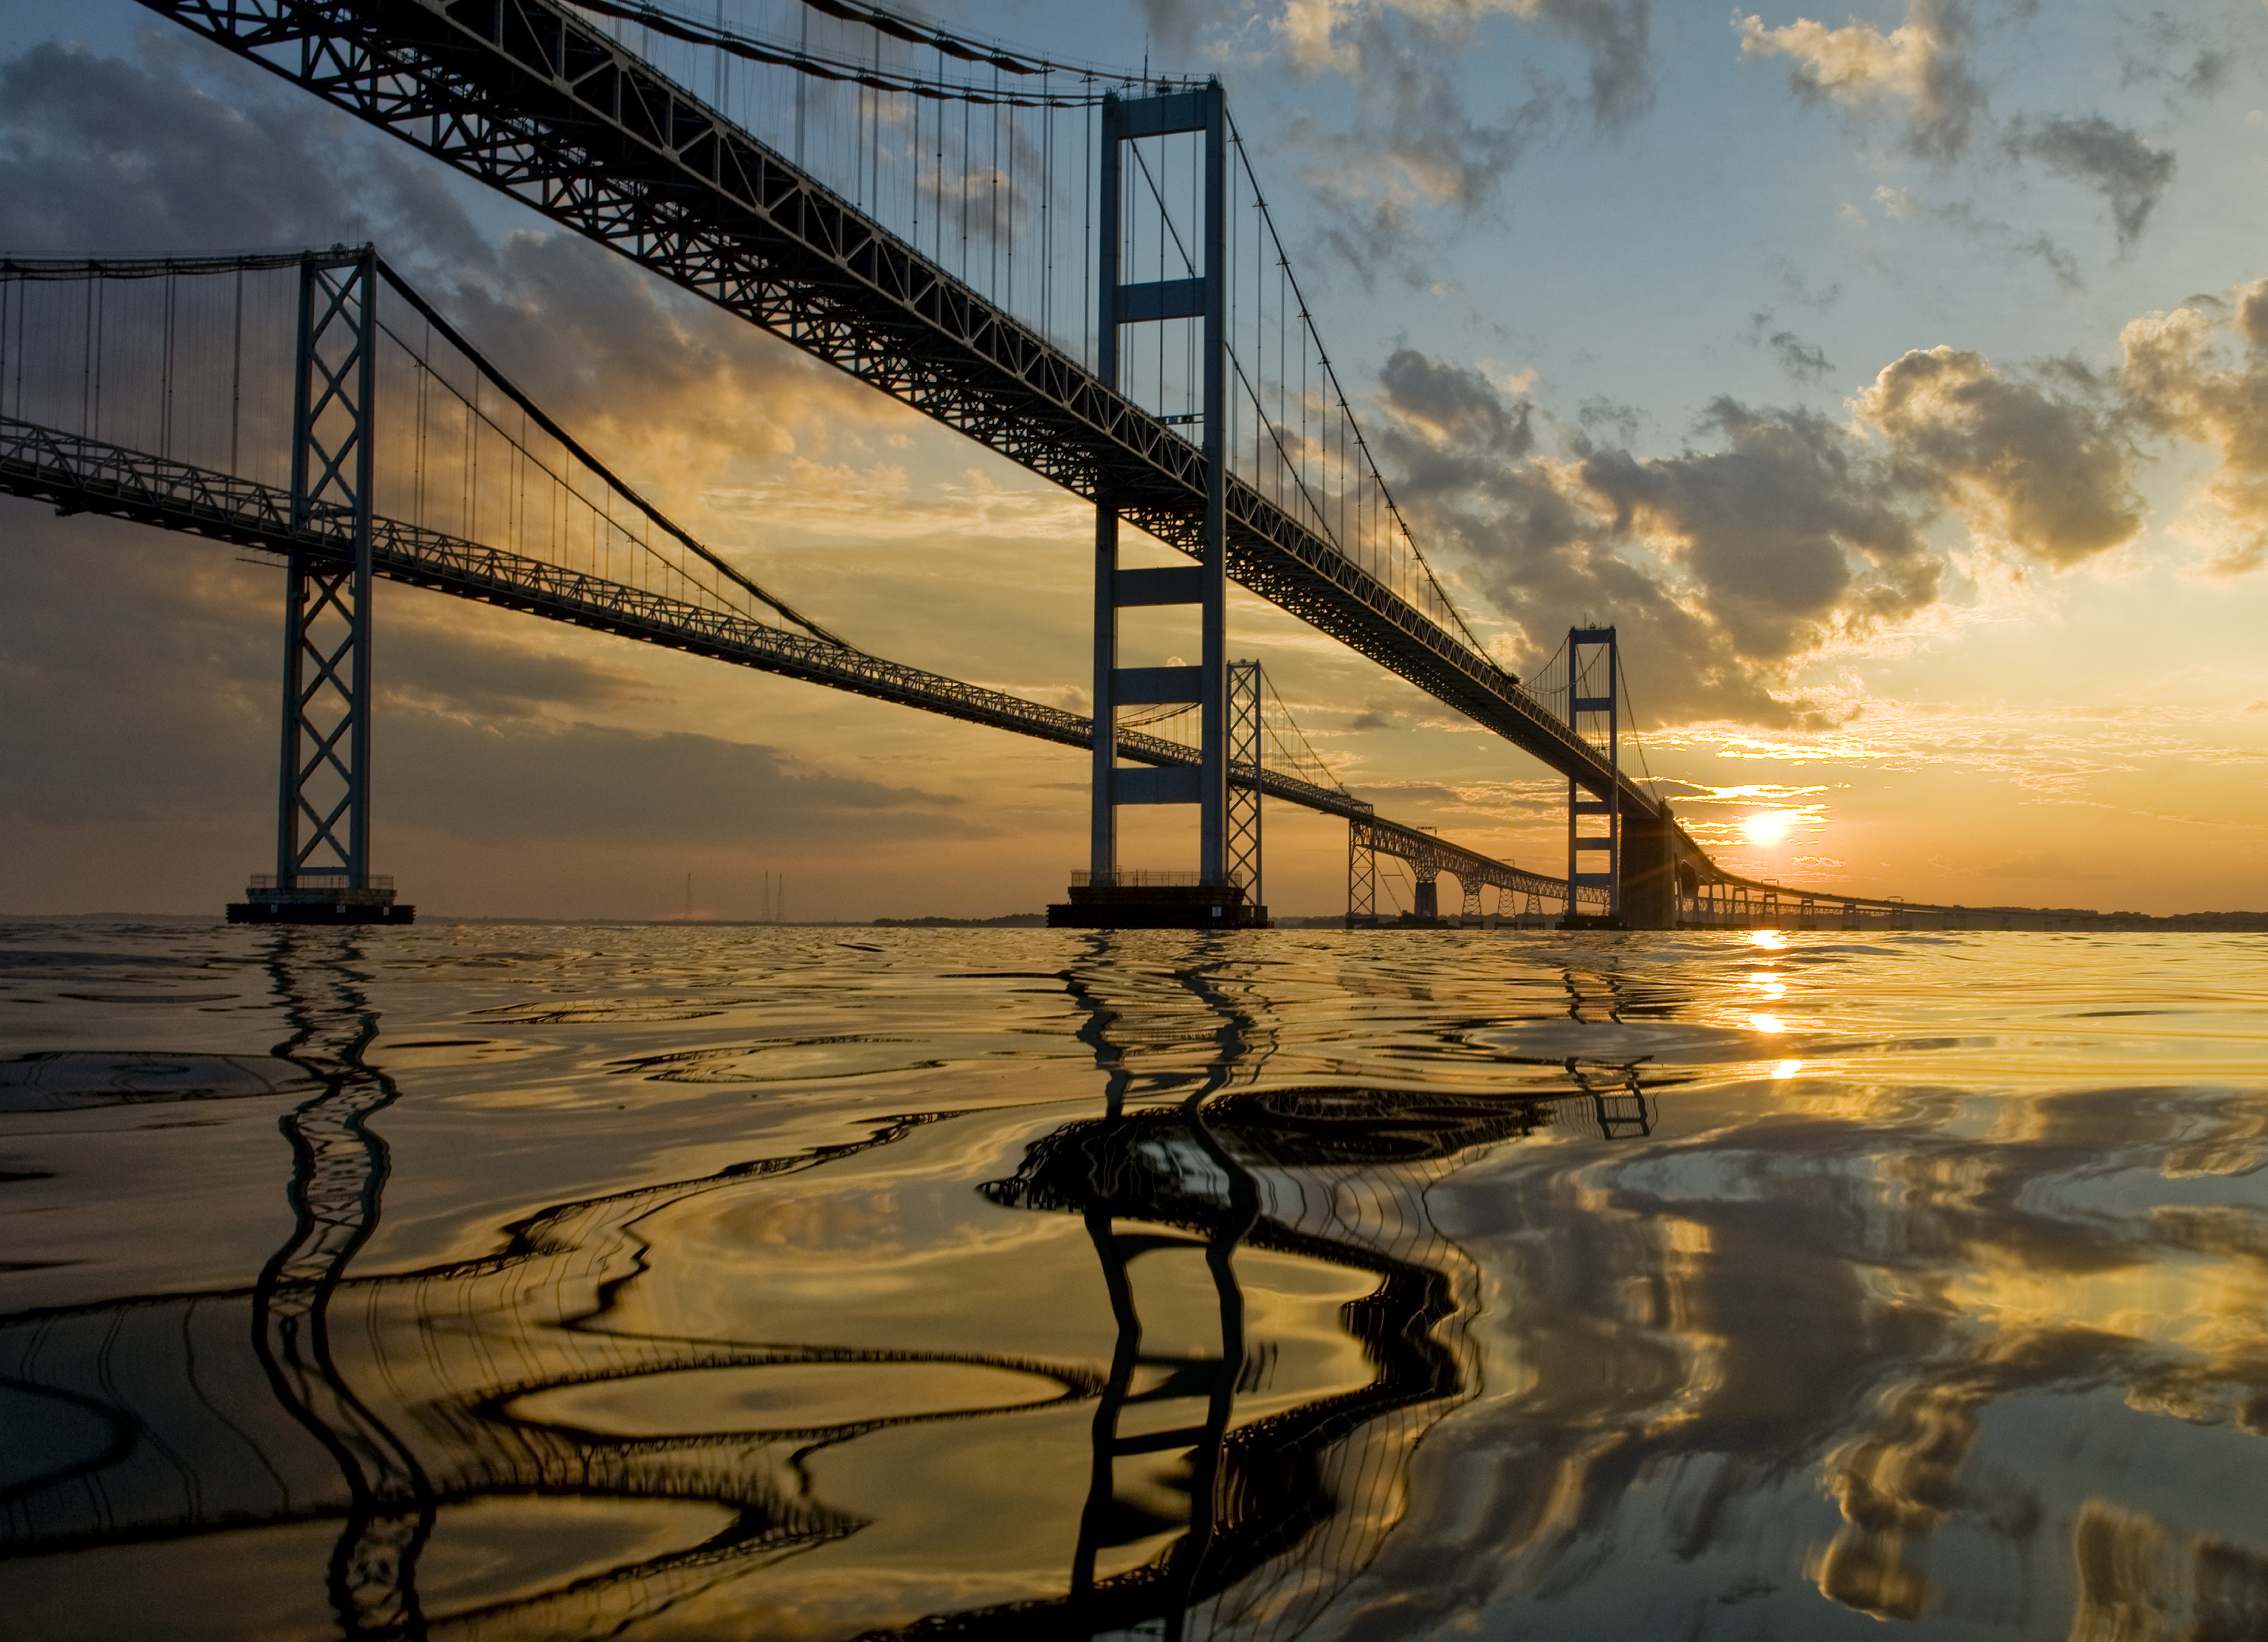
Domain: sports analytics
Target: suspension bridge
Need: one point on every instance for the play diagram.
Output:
(1075, 269)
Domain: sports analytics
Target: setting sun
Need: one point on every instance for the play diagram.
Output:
(1767, 825)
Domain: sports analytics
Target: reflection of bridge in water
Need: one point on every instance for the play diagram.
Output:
(1232, 1487)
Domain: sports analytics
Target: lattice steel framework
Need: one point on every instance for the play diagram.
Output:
(1246, 741)
(1429, 856)
(322, 822)
(1362, 879)
(532, 100)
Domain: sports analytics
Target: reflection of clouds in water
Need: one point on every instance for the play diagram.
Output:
(1946, 1300)
(1857, 1303)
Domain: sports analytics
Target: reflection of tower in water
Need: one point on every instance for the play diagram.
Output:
(338, 1176)
(1283, 1500)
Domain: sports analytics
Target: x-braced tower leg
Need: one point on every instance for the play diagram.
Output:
(322, 804)
(1362, 876)
(323, 813)
(1245, 735)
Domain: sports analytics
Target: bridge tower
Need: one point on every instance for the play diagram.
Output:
(1595, 708)
(1212, 897)
(322, 809)
(1247, 733)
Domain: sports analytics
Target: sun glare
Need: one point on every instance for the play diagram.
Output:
(1767, 825)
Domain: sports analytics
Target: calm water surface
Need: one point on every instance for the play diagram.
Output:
(572, 1281)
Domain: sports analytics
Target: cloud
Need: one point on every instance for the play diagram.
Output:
(458, 663)
(587, 783)
(105, 156)
(1789, 532)
(2044, 472)
(1175, 25)
(1780, 535)
(1616, 35)
(1455, 407)
(154, 706)
(2193, 375)
(1804, 362)
(1761, 550)
(1414, 143)
(2131, 174)
(878, 503)
(1919, 70)
(1919, 73)
(165, 709)
(111, 156)
(2184, 52)
(1357, 37)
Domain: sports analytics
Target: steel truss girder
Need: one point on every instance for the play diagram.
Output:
(531, 98)
(1430, 854)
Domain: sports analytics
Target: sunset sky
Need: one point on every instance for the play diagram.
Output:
(1893, 377)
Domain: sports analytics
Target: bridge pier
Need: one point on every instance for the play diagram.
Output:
(1649, 874)
(322, 808)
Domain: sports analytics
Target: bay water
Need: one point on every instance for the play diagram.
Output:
(522, 1281)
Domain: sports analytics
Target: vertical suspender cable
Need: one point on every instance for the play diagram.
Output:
(236, 378)
(166, 377)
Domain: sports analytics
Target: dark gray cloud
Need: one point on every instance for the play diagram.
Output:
(447, 669)
(1781, 532)
(117, 157)
(1617, 36)
(1455, 406)
(1416, 143)
(140, 670)
(1783, 536)
(1789, 532)
(1174, 25)
(2188, 53)
(139, 674)
(585, 782)
(1599, 413)
(1413, 146)
(2130, 174)
(1805, 362)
